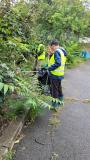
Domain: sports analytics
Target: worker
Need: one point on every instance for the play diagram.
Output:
(41, 52)
(39, 57)
(55, 69)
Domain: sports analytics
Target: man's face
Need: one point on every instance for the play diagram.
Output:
(53, 48)
(50, 52)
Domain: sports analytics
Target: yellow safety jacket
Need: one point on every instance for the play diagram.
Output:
(60, 70)
(42, 56)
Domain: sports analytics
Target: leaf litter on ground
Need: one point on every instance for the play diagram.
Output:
(54, 156)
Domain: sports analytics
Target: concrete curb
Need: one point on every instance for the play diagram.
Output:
(8, 138)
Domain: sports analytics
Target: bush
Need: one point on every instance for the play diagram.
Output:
(73, 58)
(22, 27)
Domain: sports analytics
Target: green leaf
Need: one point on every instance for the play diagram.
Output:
(6, 87)
(11, 88)
(1, 86)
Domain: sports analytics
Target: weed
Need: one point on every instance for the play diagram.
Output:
(9, 155)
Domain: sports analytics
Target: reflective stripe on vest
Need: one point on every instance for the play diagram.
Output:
(60, 70)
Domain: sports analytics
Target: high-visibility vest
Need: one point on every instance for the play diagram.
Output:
(42, 56)
(59, 71)
(64, 51)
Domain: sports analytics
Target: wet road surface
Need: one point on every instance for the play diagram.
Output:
(64, 135)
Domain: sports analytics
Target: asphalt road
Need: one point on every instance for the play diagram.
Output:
(64, 135)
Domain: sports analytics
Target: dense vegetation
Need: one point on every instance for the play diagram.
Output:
(23, 25)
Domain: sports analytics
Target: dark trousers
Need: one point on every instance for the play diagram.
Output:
(56, 88)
